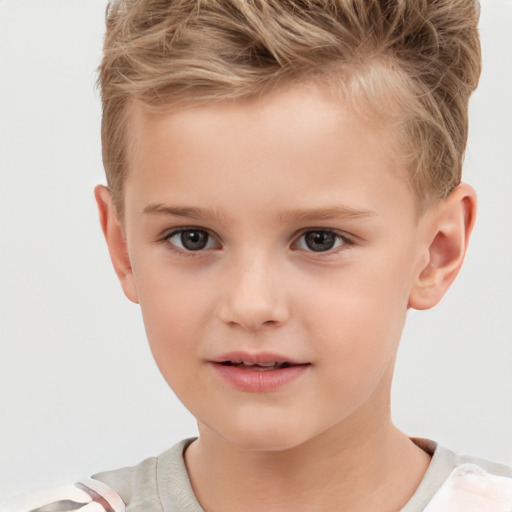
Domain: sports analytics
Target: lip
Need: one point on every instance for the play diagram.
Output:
(258, 380)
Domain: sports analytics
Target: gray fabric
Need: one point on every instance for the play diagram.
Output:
(443, 463)
(438, 471)
(158, 484)
(161, 484)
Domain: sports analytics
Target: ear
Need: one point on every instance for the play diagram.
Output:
(116, 241)
(448, 228)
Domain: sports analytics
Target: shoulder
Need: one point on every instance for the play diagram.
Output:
(137, 488)
(459, 483)
(474, 484)
(78, 496)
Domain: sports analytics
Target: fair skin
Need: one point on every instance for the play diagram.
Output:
(282, 229)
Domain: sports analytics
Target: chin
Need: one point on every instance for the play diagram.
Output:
(263, 444)
(257, 436)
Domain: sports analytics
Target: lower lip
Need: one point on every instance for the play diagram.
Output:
(259, 381)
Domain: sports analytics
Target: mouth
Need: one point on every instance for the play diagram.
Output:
(262, 361)
(259, 373)
(263, 367)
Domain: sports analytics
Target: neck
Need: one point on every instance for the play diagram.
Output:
(345, 468)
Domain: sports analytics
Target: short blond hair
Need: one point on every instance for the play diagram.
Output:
(424, 53)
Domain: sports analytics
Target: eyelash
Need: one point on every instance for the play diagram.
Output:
(340, 237)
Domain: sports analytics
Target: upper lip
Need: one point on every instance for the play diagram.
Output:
(256, 358)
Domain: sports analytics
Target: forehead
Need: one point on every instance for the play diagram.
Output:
(299, 141)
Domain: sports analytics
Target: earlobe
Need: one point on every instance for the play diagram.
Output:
(446, 240)
(116, 241)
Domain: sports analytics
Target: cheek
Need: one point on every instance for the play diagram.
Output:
(357, 318)
(357, 331)
(357, 350)
(175, 310)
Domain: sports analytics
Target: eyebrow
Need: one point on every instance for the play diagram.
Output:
(299, 215)
(336, 212)
(186, 212)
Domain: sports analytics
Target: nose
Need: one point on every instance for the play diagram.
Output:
(253, 297)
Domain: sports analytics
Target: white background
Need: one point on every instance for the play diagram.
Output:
(79, 390)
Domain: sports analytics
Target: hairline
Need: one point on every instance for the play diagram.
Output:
(335, 79)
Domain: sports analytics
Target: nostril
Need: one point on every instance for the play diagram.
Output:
(251, 312)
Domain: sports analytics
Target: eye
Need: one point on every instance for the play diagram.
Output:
(321, 240)
(191, 239)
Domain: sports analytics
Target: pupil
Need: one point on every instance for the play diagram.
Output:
(319, 241)
(194, 240)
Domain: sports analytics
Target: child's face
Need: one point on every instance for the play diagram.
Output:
(271, 230)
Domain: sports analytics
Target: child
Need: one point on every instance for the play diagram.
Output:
(284, 184)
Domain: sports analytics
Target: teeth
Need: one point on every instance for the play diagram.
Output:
(268, 366)
(262, 365)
